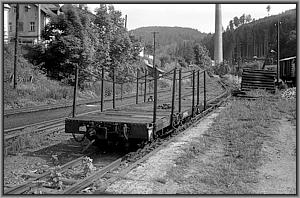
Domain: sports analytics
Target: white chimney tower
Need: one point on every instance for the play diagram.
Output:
(218, 46)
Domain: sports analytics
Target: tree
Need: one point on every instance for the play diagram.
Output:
(248, 18)
(208, 42)
(231, 25)
(70, 45)
(149, 48)
(242, 19)
(268, 9)
(121, 50)
(236, 22)
(185, 50)
(202, 58)
(163, 60)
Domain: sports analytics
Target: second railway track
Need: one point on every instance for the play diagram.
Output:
(39, 115)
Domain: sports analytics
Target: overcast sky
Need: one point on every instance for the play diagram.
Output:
(196, 16)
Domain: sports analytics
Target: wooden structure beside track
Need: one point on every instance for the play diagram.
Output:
(258, 79)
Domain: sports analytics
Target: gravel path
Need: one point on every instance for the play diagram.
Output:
(150, 177)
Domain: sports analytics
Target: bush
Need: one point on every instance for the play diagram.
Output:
(33, 87)
(221, 69)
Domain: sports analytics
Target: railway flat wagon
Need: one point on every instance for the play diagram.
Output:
(150, 119)
(132, 122)
(124, 124)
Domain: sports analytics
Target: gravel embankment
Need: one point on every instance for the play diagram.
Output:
(151, 176)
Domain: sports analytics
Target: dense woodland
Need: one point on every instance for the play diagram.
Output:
(247, 38)
(174, 44)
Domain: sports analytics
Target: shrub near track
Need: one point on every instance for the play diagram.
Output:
(226, 158)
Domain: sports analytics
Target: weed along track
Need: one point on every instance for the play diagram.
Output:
(70, 177)
(133, 159)
(85, 173)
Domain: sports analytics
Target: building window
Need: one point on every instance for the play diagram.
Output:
(15, 9)
(20, 27)
(10, 26)
(32, 26)
(26, 8)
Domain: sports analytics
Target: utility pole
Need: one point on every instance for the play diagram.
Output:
(75, 90)
(39, 24)
(125, 21)
(278, 50)
(16, 46)
(253, 42)
(155, 80)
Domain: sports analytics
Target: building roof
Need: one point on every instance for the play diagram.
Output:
(47, 9)
(149, 65)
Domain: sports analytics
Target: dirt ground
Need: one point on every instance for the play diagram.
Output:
(278, 174)
(159, 175)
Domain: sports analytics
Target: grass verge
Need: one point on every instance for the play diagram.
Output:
(226, 158)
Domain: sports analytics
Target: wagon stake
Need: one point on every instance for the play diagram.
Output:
(125, 131)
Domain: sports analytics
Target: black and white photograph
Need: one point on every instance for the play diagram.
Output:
(149, 98)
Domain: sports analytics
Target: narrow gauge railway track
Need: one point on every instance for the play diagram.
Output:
(12, 132)
(12, 143)
(17, 121)
(55, 125)
(155, 146)
(105, 166)
(11, 112)
(73, 175)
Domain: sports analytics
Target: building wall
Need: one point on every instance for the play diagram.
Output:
(26, 17)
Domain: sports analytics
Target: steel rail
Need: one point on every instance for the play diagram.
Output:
(23, 187)
(100, 173)
(195, 120)
(11, 112)
(89, 180)
(49, 125)
(50, 122)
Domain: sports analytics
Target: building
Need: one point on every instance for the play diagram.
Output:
(149, 67)
(5, 22)
(32, 20)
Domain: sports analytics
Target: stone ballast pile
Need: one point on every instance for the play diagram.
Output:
(289, 93)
